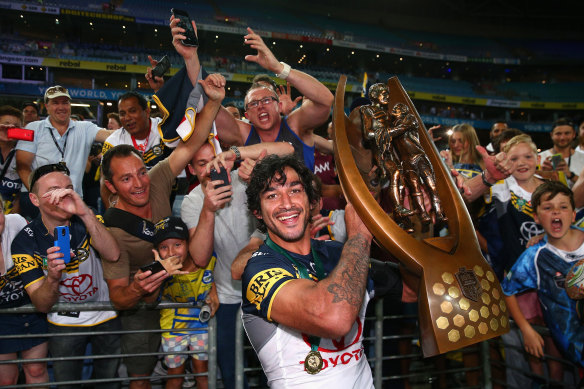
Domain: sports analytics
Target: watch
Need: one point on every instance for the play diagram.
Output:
(487, 183)
(236, 152)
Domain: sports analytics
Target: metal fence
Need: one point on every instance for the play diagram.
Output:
(392, 349)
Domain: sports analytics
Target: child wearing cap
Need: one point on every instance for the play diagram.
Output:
(194, 285)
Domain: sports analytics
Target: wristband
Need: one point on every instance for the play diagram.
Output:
(571, 176)
(487, 183)
(236, 152)
(285, 72)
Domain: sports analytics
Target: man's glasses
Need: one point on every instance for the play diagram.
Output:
(256, 103)
(46, 169)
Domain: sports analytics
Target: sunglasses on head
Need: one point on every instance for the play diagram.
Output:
(46, 169)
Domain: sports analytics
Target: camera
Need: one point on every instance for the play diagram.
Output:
(95, 149)
(205, 313)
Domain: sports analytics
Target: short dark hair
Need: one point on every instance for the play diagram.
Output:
(550, 189)
(138, 96)
(43, 170)
(505, 136)
(120, 151)
(31, 104)
(266, 171)
(563, 122)
(11, 111)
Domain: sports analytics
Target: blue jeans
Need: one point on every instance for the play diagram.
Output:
(226, 316)
(69, 346)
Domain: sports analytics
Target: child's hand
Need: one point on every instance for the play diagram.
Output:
(532, 341)
(172, 265)
(534, 240)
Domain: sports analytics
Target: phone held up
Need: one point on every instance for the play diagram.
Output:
(556, 159)
(62, 240)
(220, 175)
(20, 134)
(161, 67)
(154, 267)
(185, 22)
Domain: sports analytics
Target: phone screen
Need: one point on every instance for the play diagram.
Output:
(185, 22)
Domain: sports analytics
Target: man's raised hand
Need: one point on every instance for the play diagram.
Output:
(264, 57)
(214, 86)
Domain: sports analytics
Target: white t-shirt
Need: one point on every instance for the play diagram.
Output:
(575, 162)
(233, 228)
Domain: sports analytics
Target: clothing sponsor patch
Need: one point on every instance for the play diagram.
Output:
(259, 286)
(78, 288)
(24, 263)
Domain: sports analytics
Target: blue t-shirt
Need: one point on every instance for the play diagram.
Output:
(544, 267)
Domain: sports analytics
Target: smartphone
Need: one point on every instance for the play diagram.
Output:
(20, 134)
(221, 175)
(62, 240)
(154, 267)
(161, 67)
(556, 159)
(185, 22)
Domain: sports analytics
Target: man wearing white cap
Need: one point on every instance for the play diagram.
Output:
(58, 139)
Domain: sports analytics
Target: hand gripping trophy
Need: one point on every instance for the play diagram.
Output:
(385, 144)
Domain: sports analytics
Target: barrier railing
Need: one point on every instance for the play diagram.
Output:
(391, 345)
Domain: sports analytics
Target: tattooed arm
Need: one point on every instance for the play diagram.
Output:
(329, 308)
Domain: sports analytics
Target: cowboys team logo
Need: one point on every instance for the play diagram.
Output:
(469, 284)
(157, 150)
(81, 254)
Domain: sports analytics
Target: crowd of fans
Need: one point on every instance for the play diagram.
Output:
(140, 253)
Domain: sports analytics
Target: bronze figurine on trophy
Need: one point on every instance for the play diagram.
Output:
(383, 152)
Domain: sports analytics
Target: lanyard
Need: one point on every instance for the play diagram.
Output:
(314, 340)
(142, 147)
(62, 151)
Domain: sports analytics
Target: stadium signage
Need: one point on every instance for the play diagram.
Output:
(20, 60)
(27, 7)
(97, 15)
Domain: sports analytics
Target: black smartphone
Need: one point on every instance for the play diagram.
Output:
(154, 267)
(556, 160)
(185, 22)
(220, 175)
(161, 67)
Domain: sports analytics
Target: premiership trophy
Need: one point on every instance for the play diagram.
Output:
(385, 145)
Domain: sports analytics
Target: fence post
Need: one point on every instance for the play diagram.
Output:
(238, 351)
(378, 379)
(212, 371)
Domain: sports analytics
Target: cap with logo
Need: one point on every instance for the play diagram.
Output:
(56, 91)
(170, 227)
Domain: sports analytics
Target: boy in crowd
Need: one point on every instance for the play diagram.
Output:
(544, 267)
(193, 284)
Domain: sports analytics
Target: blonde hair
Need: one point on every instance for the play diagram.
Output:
(469, 135)
(523, 138)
